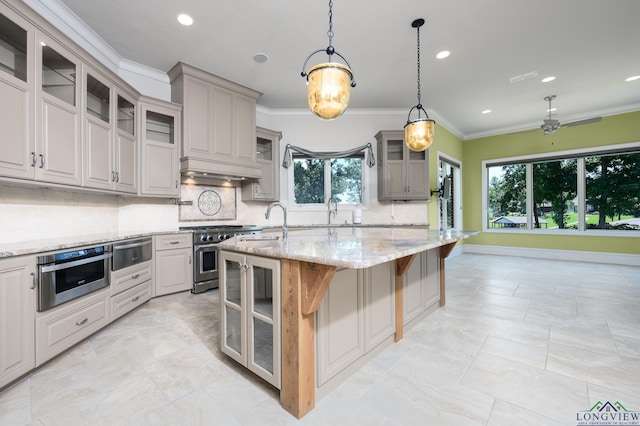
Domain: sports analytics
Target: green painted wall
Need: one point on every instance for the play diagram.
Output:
(611, 130)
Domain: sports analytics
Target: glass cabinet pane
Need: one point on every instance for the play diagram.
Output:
(98, 99)
(233, 331)
(417, 155)
(262, 291)
(126, 115)
(159, 127)
(13, 49)
(58, 76)
(263, 344)
(265, 149)
(232, 284)
(395, 149)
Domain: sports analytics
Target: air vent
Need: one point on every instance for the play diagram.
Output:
(522, 77)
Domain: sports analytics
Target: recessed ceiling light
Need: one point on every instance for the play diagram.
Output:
(548, 79)
(632, 78)
(260, 58)
(443, 54)
(486, 111)
(185, 19)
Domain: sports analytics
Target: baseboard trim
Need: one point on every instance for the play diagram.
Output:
(576, 255)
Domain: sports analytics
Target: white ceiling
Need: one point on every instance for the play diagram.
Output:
(591, 46)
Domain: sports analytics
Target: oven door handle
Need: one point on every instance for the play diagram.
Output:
(59, 266)
(132, 245)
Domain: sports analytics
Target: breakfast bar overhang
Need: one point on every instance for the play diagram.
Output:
(309, 261)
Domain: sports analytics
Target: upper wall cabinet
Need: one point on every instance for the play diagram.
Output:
(403, 174)
(219, 119)
(160, 143)
(16, 96)
(110, 146)
(267, 188)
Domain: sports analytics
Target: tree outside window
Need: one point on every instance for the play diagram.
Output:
(316, 180)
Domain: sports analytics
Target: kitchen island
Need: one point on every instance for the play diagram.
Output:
(309, 260)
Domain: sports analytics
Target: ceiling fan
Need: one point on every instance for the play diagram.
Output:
(550, 125)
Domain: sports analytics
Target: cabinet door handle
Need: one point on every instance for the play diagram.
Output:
(135, 277)
(176, 183)
(33, 281)
(113, 176)
(189, 260)
(117, 176)
(34, 159)
(135, 299)
(84, 321)
(41, 161)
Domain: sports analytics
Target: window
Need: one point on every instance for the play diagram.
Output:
(589, 191)
(316, 180)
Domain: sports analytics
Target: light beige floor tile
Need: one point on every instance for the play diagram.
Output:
(15, 404)
(535, 356)
(546, 393)
(587, 336)
(506, 414)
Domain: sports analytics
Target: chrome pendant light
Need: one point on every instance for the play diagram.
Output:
(418, 133)
(329, 83)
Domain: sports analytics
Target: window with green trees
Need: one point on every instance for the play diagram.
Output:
(577, 192)
(316, 180)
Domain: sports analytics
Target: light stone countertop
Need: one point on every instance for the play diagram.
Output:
(52, 244)
(347, 247)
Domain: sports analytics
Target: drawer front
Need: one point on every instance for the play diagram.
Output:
(172, 241)
(127, 278)
(130, 299)
(61, 328)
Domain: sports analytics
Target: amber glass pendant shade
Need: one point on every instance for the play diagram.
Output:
(329, 88)
(418, 134)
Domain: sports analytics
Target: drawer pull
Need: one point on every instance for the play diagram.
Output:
(84, 321)
(135, 277)
(174, 242)
(135, 299)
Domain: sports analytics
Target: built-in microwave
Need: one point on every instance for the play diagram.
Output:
(68, 275)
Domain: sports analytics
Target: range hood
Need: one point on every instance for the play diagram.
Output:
(193, 167)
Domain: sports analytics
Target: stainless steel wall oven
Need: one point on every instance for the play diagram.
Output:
(205, 252)
(72, 274)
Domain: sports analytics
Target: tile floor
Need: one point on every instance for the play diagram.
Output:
(520, 342)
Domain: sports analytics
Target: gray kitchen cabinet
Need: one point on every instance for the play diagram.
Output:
(17, 309)
(62, 327)
(219, 116)
(126, 145)
(380, 312)
(159, 133)
(130, 287)
(250, 313)
(421, 286)
(403, 174)
(267, 187)
(58, 151)
(16, 96)
(173, 256)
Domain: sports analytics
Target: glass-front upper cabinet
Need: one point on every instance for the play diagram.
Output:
(13, 48)
(98, 99)
(126, 116)
(58, 75)
(160, 127)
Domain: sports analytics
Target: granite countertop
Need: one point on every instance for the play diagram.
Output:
(40, 246)
(348, 247)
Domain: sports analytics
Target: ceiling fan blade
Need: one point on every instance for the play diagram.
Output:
(581, 122)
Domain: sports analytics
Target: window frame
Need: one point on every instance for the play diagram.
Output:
(528, 160)
(327, 186)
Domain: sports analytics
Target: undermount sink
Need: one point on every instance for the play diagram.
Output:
(259, 238)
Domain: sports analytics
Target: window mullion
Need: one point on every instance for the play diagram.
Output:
(581, 189)
(327, 180)
(529, 192)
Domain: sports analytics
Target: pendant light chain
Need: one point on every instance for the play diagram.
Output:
(419, 94)
(330, 32)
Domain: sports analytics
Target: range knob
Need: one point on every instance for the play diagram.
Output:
(210, 238)
(222, 237)
(203, 238)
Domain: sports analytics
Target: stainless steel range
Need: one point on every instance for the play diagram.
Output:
(205, 251)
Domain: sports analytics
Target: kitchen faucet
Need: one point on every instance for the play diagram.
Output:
(285, 230)
(329, 211)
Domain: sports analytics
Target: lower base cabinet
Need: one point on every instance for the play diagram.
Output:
(130, 287)
(421, 285)
(62, 327)
(17, 308)
(250, 313)
(173, 258)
